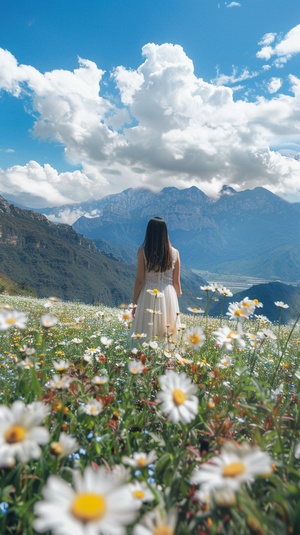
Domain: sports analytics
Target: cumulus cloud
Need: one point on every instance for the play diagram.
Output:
(284, 49)
(39, 186)
(169, 128)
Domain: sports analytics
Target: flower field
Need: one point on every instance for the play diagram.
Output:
(105, 432)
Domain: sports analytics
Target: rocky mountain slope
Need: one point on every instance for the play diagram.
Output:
(55, 260)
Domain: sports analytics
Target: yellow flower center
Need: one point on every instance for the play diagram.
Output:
(56, 448)
(178, 397)
(134, 370)
(233, 469)
(163, 530)
(156, 291)
(138, 494)
(237, 313)
(16, 433)
(141, 461)
(88, 507)
(59, 384)
(195, 309)
(195, 339)
(11, 321)
(231, 334)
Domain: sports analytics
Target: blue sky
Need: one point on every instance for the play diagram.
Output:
(99, 96)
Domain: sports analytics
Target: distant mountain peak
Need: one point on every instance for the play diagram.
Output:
(228, 190)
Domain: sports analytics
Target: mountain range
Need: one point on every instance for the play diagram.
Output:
(252, 232)
(55, 260)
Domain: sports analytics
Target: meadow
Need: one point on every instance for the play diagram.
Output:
(102, 432)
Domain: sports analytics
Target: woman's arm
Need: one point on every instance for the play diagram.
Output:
(139, 281)
(176, 276)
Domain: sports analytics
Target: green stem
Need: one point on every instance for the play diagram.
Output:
(283, 350)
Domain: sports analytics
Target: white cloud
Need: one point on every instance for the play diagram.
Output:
(274, 85)
(37, 186)
(285, 48)
(235, 77)
(171, 128)
(233, 4)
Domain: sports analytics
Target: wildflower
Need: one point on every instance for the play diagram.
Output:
(77, 340)
(125, 316)
(12, 318)
(195, 337)
(100, 379)
(225, 291)
(157, 522)
(236, 311)
(21, 433)
(236, 464)
(195, 310)
(138, 335)
(280, 304)
(266, 333)
(226, 337)
(59, 383)
(153, 345)
(135, 367)
(28, 363)
(93, 407)
(65, 446)
(141, 492)
(106, 341)
(140, 459)
(182, 360)
(95, 504)
(178, 397)
(61, 365)
(155, 292)
(155, 312)
(48, 321)
(249, 305)
(225, 362)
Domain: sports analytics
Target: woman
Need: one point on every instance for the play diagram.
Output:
(157, 286)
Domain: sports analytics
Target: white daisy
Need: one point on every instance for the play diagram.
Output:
(48, 321)
(65, 446)
(141, 492)
(226, 337)
(236, 464)
(93, 407)
(21, 433)
(59, 383)
(136, 367)
(157, 522)
(140, 459)
(100, 379)
(195, 337)
(155, 292)
(95, 504)
(178, 397)
(12, 318)
(225, 362)
(281, 304)
(61, 365)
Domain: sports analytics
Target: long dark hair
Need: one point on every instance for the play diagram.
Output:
(157, 246)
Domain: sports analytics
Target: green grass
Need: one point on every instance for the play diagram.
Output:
(254, 398)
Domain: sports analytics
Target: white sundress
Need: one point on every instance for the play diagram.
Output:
(157, 316)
